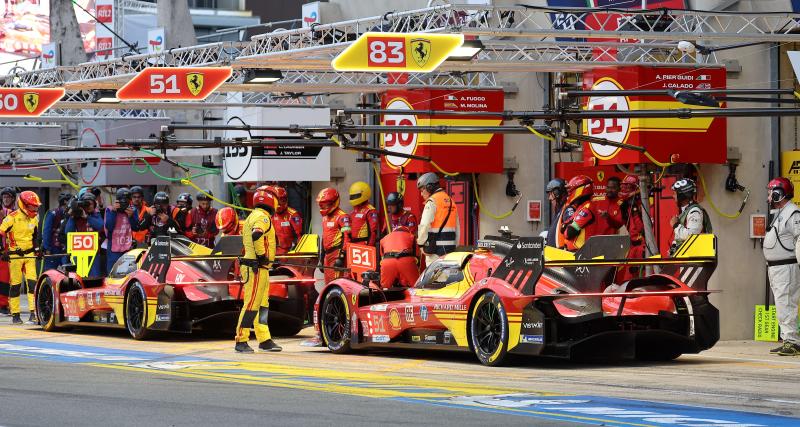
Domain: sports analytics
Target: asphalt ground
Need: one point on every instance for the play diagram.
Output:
(102, 377)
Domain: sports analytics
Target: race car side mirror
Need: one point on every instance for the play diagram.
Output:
(70, 268)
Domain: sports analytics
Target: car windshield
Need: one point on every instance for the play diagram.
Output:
(440, 274)
(125, 265)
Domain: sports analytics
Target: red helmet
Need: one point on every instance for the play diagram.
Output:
(227, 221)
(265, 199)
(29, 203)
(283, 197)
(328, 200)
(579, 186)
(782, 185)
(629, 186)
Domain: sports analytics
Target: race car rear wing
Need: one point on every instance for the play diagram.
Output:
(523, 263)
(217, 263)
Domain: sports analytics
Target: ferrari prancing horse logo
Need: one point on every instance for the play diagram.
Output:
(195, 82)
(31, 101)
(420, 51)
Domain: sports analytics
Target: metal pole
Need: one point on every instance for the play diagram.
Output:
(649, 238)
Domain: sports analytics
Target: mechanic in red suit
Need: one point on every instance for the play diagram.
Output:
(8, 205)
(335, 232)
(632, 217)
(364, 217)
(578, 219)
(287, 221)
(609, 214)
(200, 225)
(398, 216)
(399, 258)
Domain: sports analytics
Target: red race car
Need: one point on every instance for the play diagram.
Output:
(514, 295)
(174, 285)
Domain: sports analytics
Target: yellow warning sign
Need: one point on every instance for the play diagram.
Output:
(397, 52)
(82, 248)
(790, 168)
(766, 324)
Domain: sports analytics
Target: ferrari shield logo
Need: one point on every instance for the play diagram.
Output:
(420, 51)
(195, 82)
(31, 101)
(600, 176)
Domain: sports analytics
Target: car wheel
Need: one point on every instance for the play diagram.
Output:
(136, 311)
(489, 329)
(287, 329)
(335, 321)
(46, 305)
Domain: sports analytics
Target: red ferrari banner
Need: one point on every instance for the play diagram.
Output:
(698, 140)
(32, 102)
(463, 153)
(174, 84)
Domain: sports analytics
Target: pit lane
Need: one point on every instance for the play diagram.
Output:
(181, 380)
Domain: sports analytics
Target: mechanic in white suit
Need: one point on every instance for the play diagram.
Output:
(782, 252)
(692, 218)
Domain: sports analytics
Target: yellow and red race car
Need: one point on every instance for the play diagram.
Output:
(174, 285)
(513, 295)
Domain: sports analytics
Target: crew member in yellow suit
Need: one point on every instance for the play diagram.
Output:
(258, 236)
(19, 228)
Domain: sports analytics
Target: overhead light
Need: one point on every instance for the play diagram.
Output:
(105, 96)
(468, 50)
(261, 76)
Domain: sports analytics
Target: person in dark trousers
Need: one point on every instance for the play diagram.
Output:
(557, 195)
(52, 237)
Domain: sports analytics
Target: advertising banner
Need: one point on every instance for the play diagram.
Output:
(311, 14)
(699, 140)
(451, 152)
(49, 56)
(26, 26)
(275, 163)
(790, 169)
(155, 40)
(105, 38)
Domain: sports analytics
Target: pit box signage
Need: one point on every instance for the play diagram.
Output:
(28, 102)
(174, 83)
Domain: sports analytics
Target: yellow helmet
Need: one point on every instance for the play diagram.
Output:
(359, 193)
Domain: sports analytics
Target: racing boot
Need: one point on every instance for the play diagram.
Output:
(15, 319)
(789, 349)
(269, 345)
(32, 319)
(243, 347)
(776, 350)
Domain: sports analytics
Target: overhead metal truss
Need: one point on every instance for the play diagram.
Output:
(517, 39)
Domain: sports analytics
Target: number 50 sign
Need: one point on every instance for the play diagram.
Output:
(82, 248)
(397, 52)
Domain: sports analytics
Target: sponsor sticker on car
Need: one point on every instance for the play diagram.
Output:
(531, 339)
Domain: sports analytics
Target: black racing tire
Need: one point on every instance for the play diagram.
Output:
(286, 329)
(46, 305)
(335, 321)
(488, 329)
(136, 311)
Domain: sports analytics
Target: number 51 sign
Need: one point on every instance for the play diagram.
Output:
(174, 83)
(397, 52)
(361, 258)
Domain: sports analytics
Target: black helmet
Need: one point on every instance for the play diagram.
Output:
(239, 190)
(64, 198)
(185, 198)
(394, 199)
(684, 187)
(96, 191)
(161, 198)
(137, 190)
(8, 190)
(558, 186)
(204, 195)
(88, 196)
(123, 194)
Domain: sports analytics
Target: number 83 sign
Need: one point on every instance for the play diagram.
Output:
(397, 52)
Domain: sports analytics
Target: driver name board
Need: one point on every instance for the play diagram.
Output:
(28, 102)
(174, 83)
(397, 52)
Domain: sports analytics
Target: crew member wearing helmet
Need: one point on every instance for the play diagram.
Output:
(578, 218)
(335, 232)
(556, 191)
(632, 218)
(438, 232)
(20, 230)
(240, 194)
(780, 250)
(201, 227)
(137, 201)
(159, 220)
(399, 258)
(84, 217)
(288, 222)
(607, 206)
(7, 198)
(180, 213)
(398, 216)
(258, 237)
(52, 242)
(121, 220)
(692, 218)
(363, 218)
(227, 222)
